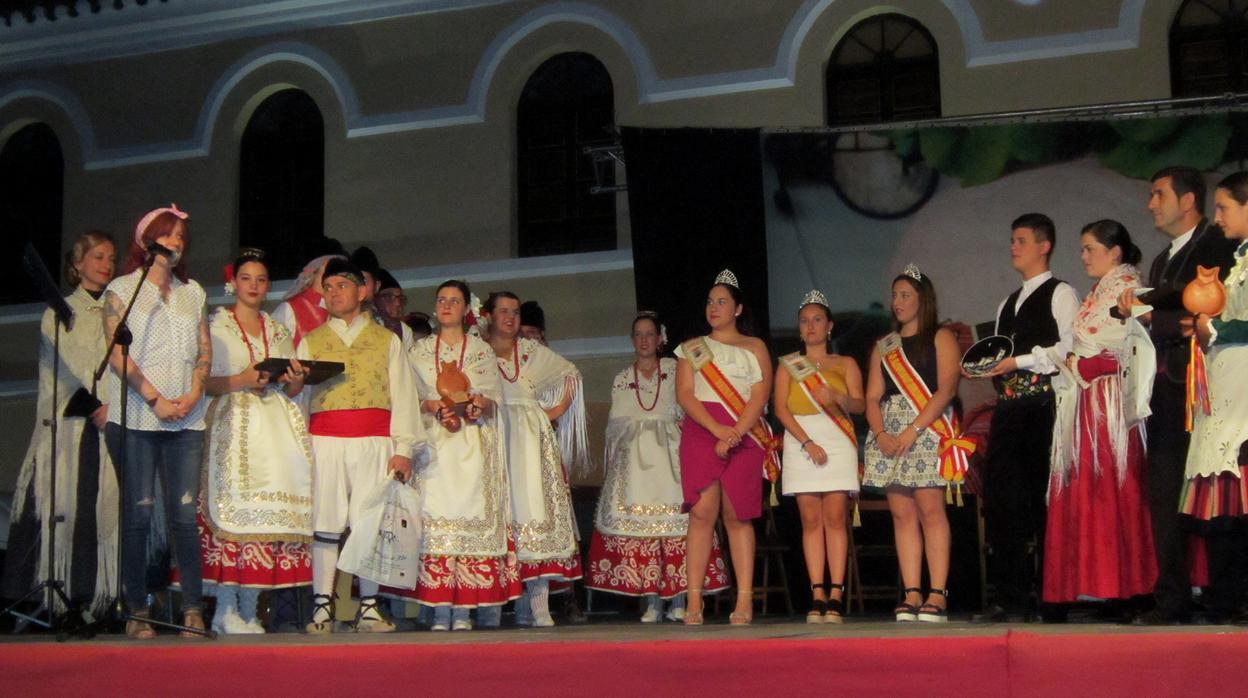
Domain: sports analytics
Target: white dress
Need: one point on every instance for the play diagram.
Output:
(535, 377)
(82, 349)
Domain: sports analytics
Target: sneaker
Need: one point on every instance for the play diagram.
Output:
(676, 614)
(461, 624)
(650, 616)
(255, 627)
(229, 623)
(439, 627)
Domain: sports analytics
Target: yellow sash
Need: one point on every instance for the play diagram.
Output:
(955, 449)
(703, 361)
(809, 378)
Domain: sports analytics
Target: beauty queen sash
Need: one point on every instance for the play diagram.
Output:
(955, 450)
(808, 378)
(703, 361)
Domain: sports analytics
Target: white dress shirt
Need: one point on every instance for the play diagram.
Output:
(1178, 243)
(1065, 306)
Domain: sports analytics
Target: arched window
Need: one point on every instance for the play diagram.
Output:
(282, 181)
(1209, 48)
(885, 68)
(567, 104)
(32, 172)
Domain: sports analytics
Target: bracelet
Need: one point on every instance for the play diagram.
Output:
(807, 441)
(915, 429)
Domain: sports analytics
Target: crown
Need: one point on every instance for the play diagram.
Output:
(912, 271)
(813, 296)
(727, 277)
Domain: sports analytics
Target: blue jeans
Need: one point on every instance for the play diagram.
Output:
(178, 455)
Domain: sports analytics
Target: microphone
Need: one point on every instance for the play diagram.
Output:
(155, 248)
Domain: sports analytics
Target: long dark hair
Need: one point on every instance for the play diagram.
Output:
(160, 226)
(928, 324)
(1111, 234)
(745, 321)
(1236, 185)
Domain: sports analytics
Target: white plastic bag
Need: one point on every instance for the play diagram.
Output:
(385, 545)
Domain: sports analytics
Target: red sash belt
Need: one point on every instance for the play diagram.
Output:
(350, 423)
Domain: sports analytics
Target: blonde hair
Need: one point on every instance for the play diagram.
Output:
(78, 251)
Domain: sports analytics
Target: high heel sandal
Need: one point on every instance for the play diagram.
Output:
(907, 612)
(137, 628)
(694, 617)
(194, 619)
(739, 617)
(833, 614)
(931, 613)
(818, 607)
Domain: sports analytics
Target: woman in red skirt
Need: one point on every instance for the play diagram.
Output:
(1099, 543)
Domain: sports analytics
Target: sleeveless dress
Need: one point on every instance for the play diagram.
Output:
(800, 473)
(638, 546)
(920, 467)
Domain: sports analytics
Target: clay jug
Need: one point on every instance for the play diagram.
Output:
(452, 384)
(1205, 294)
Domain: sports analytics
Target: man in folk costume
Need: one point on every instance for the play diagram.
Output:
(364, 428)
(1039, 319)
(1177, 203)
(303, 308)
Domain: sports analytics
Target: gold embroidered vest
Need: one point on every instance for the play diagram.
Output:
(366, 381)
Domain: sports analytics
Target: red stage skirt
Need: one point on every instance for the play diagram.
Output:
(259, 565)
(639, 566)
(566, 569)
(1099, 539)
(464, 582)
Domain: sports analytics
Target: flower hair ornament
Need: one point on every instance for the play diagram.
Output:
(727, 277)
(246, 254)
(813, 296)
(150, 216)
(654, 317)
(912, 270)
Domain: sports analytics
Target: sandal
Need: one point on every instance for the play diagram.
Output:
(931, 613)
(321, 603)
(907, 612)
(743, 617)
(137, 627)
(194, 619)
(833, 614)
(818, 607)
(694, 617)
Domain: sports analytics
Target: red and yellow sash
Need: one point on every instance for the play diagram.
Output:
(955, 449)
(703, 361)
(1197, 388)
(808, 377)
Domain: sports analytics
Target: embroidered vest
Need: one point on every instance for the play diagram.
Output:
(366, 381)
(1033, 325)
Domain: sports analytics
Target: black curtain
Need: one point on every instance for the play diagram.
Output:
(695, 200)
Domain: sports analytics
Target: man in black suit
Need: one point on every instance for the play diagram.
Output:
(1177, 202)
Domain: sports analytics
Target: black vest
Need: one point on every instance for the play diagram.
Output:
(1033, 325)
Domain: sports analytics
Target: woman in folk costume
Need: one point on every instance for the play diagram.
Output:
(638, 546)
(723, 382)
(256, 498)
(913, 377)
(814, 393)
(1216, 496)
(467, 558)
(303, 308)
(1098, 541)
(86, 543)
(539, 387)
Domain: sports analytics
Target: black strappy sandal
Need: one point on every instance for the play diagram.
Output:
(907, 612)
(931, 613)
(322, 602)
(818, 607)
(833, 614)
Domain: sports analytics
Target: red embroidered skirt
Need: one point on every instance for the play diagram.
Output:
(638, 566)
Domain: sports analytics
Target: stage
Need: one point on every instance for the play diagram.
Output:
(619, 659)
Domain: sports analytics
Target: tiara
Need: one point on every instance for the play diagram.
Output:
(912, 271)
(251, 253)
(727, 277)
(813, 296)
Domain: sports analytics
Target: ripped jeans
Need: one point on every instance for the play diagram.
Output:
(178, 454)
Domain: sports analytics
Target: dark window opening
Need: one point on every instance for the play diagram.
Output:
(32, 172)
(884, 69)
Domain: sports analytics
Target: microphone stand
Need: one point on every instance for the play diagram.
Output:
(54, 588)
(123, 338)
